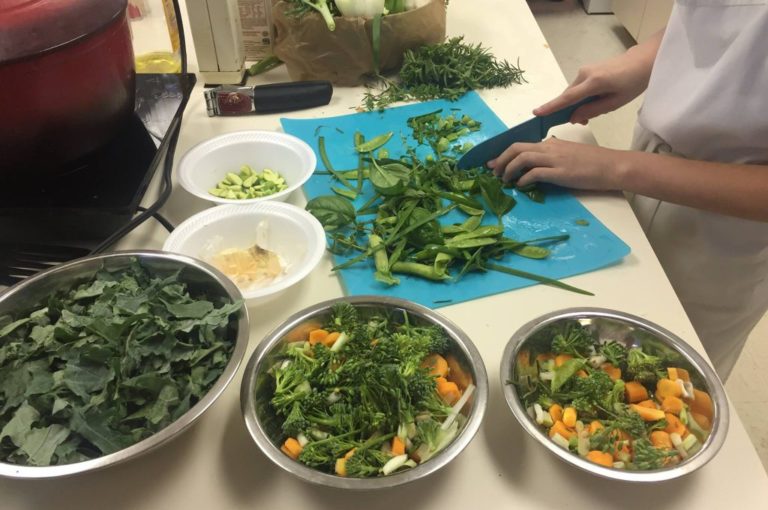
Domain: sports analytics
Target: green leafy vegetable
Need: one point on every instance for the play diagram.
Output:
(105, 364)
(445, 71)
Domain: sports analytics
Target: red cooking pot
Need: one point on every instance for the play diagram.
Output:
(67, 80)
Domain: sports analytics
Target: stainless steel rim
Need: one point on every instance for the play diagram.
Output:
(183, 422)
(719, 427)
(259, 435)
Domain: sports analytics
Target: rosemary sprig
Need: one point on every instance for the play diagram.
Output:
(444, 71)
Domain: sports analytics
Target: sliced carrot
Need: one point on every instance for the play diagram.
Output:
(560, 428)
(300, 333)
(331, 338)
(702, 420)
(398, 446)
(544, 356)
(569, 417)
(317, 336)
(613, 372)
(675, 425)
(602, 458)
(562, 358)
(621, 451)
(437, 365)
(524, 358)
(582, 374)
(635, 392)
(646, 413)
(594, 426)
(666, 387)
(678, 373)
(660, 439)
(648, 403)
(672, 404)
(449, 391)
(292, 448)
(461, 377)
(702, 404)
(556, 412)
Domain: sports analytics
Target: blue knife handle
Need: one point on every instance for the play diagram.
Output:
(561, 116)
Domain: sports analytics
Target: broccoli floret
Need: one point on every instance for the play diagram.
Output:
(366, 462)
(574, 340)
(642, 367)
(646, 456)
(592, 392)
(614, 352)
(295, 422)
(344, 317)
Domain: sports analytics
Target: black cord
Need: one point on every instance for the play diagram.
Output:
(160, 219)
(167, 183)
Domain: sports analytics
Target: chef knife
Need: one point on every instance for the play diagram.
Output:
(533, 130)
(271, 98)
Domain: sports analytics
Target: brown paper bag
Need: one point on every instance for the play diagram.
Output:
(345, 56)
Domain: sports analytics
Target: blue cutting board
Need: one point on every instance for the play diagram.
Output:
(591, 246)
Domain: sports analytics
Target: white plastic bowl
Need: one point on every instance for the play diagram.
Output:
(207, 163)
(293, 233)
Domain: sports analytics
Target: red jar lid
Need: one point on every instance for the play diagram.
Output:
(31, 27)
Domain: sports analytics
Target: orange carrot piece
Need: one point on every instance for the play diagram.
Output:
(666, 387)
(602, 458)
(635, 392)
(702, 404)
(341, 467)
(646, 413)
(457, 374)
(449, 391)
(648, 403)
(317, 336)
(544, 356)
(672, 404)
(556, 412)
(398, 446)
(331, 338)
(675, 425)
(613, 372)
(437, 365)
(562, 358)
(292, 448)
(560, 428)
(702, 420)
(678, 373)
(594, 426)
(569, 417)
(582, 374)
(661, 439)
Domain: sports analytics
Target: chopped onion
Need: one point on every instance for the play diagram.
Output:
(457, 407)
(394, 464)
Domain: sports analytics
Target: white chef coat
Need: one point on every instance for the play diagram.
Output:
(708, 100)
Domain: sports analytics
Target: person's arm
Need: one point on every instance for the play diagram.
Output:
(733, 189)
(616, 81)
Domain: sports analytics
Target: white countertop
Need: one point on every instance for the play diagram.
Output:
(216, 465)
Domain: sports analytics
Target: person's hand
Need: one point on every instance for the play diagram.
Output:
(568, 164)
(615, 81)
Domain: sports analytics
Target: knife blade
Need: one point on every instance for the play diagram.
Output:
(271, 98)
(532, 130)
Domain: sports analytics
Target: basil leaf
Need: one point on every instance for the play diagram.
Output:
(333, 212)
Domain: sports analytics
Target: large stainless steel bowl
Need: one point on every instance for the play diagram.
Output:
(195, 274)
(631, 331)
(265, 428)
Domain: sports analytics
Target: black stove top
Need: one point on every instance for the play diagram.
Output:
(93, 197)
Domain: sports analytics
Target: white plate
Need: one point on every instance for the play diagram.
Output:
(290, 231)
(206, 164)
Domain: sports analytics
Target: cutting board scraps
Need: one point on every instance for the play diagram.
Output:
(591, 245)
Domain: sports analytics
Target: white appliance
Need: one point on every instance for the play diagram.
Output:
(218, 36)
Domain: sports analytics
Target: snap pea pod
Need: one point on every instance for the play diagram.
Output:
(374, 143)
(421, 270)
(381, 261)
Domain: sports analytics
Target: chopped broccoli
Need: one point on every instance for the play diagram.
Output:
(646, 456)
(295, 422)
(589, 393)
(642, 367)
(574, 340)
(614, 352)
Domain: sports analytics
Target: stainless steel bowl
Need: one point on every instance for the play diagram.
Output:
(195, 273)
(631, 331)
(264, 427)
